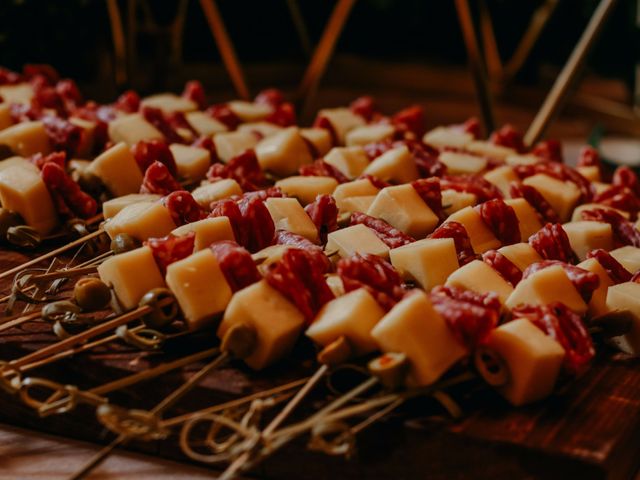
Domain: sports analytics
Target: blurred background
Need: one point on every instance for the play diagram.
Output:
(400, 51)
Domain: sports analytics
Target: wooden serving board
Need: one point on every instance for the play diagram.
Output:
(590, 429)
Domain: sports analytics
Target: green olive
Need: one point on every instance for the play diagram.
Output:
(91, 294)
(8, 219)
(160, 316)
(124, 242)
(23, 236)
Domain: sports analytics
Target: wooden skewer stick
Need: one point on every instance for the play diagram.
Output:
(324, 50)
(225, 46)
(558, 94)
(476, 64)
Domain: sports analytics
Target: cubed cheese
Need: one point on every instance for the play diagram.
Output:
(462, 163)
(260, 129)
(205, 124)
(598, 303)
(562, 196)
(626, 296)
(208, 231)
(142, 220)
(232, 144)
(288, 214)
(343, 120)
(528, 219)
(17, 93)
(351, 161)
(533, 359)
(357, 204)
(547, 286)
(401, 207)
(590, 173)
(502, 177)
(356, 188)
(118, 170)
(414, 328)
(453, 201)
(284, 152)
(396, 165)
(585, 236)
(23, 191)
(320, 138)
(351, 316)
(488, 149)
(192, 162)
(5, 116)
(130, 129)
(441, 137)
(131, 274)
(111, 207)
(482, 239)
(210, 192)
(26, 138)
(356, 239)
(306, 189)
(277, 322)
(428, 262)
(249, 111)
(369, 134)
(479, 277)
(19, 162)
(629, 257)
(169, 102)
(521, 255)
(199, 287)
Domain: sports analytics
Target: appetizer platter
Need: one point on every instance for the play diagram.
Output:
(220, 284)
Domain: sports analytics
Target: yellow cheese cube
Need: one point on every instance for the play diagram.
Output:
(142, 220)
(19, 162)
(260, 129)
(479, 277)
(249, 111)
(462, 163)
(17, 93)
(577, 212)
(5, 116)
(306, 189)
(598, 303)
(533, 358)
(319, 137)
(210, 192)
(401, 207)
(590, 173)
(130, 129)
(547, 286)
(562, 196)
(357, 204)
(26, 139)
(192, 162)
(118, 170)
(441, 137)
(199, 287)
(277, 322)
(352, 316)
(208, 231)
(453, 201)
(131, 274)
(351, 161)
(629, 257)
(482, 239)
(414, 328)
(23, 191)
(427, 262)
(502, 177)
(288, 214)
(528, 219)
(111, 207)
(369, 134)
(396, 165)
(356, 188)
(600, 187)
(585, 236)
(521, 255)
(488, 149)
(205, 124)
(232, 144)
(626, 296)
(169, 102)
(342, 120)
(356, 239)
(284, 152)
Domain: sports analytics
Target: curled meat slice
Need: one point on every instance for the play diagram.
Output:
(458, 233)
(429, 191)
(183, 208)
(169, 249)
(624, 231)
(324, 215)
(320, 168)
(501, 264)
(243, 168)
(552, 243)
(536, 200)
(614, 268)
(148, 151)
(584, 281)
(69, 198)
(392, 237)
(236, 264)
(158, 179)
(501, 220)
